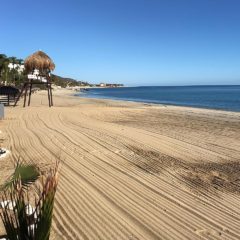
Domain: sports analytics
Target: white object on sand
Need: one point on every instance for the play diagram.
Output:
(4, 154)
(8, 204)
(30, 210)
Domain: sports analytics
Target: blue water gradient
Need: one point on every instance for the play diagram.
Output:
(213, 97)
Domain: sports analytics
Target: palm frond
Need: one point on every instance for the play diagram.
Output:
(28, 173)
(45, 208)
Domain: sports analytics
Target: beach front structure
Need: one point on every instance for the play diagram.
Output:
(108, 85)
(18, 67)
(102, 84)
(38, 66)
(8, 94)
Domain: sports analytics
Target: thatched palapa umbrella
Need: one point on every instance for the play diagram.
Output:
(43, 63)
(40, 61)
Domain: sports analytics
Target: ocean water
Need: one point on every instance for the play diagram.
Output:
(213, 97)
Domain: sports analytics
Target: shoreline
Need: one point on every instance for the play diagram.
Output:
(79, 94)
(153, 104)
(131, 170)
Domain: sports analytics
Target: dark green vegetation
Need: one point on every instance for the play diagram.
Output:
(28, 187)
(10, 76)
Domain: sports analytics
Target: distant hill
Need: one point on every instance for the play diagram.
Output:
(64, 82)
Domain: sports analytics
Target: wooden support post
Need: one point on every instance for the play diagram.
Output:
(49, 101)
(30, 93)
(25, 94)
(51, 94)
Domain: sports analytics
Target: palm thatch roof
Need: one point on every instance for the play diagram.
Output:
(39, 60)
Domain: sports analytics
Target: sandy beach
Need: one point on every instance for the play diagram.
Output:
(131, 170)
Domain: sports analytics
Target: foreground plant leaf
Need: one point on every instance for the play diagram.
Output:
(19, 224)
(28, 173)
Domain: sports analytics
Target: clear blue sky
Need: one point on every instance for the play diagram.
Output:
(135, 42)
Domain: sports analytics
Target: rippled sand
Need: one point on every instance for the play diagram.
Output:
(132, 170)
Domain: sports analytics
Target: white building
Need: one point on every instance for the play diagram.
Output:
(18, 67)
(102, 84)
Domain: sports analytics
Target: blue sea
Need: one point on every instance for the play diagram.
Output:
(213, 97)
